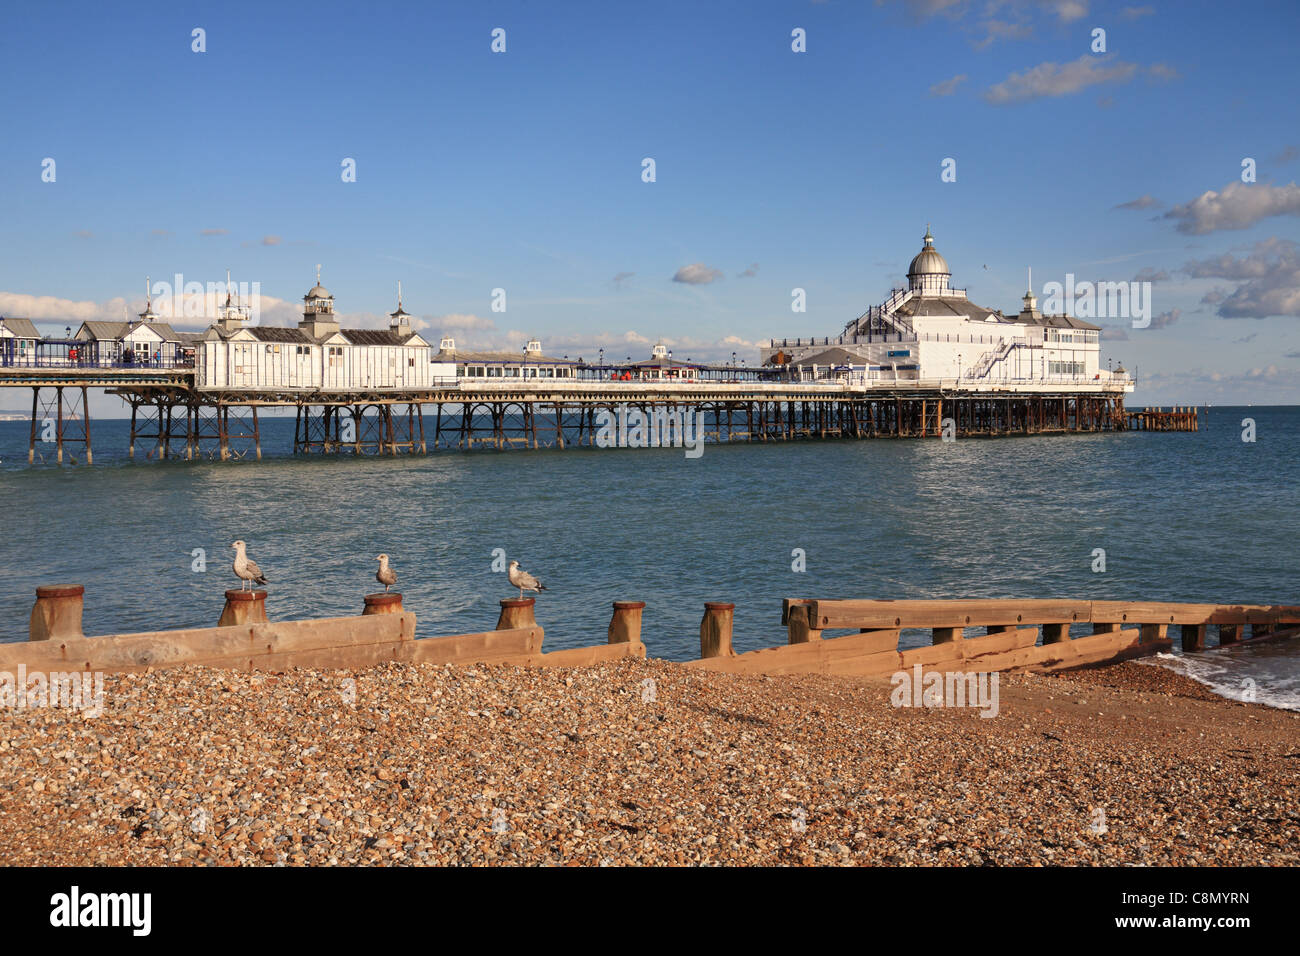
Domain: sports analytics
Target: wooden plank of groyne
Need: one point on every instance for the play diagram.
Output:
(1158, 612)
(586, 656)
(975, 650)
(518, 645)
(1114, 645)
(855, 654)
(211, 644)
(829, 615)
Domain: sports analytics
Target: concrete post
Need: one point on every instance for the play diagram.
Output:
(57, 612)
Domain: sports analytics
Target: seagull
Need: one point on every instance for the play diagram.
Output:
(385, 575)
(523, 580)
(245, 568)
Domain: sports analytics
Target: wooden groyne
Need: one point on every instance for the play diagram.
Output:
(1016, 634)
(1009, 634)
(1179, 418)
(245, 640)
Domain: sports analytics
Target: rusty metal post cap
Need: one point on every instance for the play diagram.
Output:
(384, 597)
(719, 606)
(245, 595)
(60, 590)
(516, 602)
(628, 605)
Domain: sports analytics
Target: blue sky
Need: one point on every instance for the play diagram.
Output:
(522, 170)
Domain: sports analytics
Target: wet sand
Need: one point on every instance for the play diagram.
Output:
(403, 764)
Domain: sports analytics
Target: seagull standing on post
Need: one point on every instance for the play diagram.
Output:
(246, 569)
(385, 575)
(523, 580)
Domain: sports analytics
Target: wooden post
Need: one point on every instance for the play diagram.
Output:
(1153, 632)
(1193, 637)
(383, 602)
(516, 613)
(243, 607)
(1056, 633)
(715, 629)
(946, 635)
(625, 624)
(799, 628)
(57, 612)
(1229, 633)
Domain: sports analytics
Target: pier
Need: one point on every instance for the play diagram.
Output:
(1176, 419)
(172, 418)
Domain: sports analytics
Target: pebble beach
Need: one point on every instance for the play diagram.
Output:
(645, 763)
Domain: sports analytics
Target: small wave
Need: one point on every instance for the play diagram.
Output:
(1245, 674)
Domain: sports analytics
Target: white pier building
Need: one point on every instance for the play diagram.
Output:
(929, 332)
(318, 355)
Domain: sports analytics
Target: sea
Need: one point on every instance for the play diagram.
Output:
(1206, 517)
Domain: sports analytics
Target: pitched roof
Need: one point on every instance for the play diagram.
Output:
(21, 328)
(1053, 321)
(375, 337)
(944, 306)
(502, 358)
(267, 333)
(118, 330)
(835, 356)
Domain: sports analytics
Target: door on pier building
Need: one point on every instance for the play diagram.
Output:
(243, 362)
(335, 376)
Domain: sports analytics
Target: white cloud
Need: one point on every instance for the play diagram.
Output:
(949, 86)
(697, 273)
(1238, 206)
(1269, 277)
(1142, 202)
(1057, 79)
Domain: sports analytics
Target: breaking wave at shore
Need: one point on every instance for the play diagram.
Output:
(1267, 673)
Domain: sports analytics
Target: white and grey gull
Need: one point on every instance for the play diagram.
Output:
(246, 568)
(385, 575)
(523, 580)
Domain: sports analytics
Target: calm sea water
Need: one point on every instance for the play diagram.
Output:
(1184, 517)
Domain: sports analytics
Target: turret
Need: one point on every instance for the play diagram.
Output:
(231, 316)
(399, 321)
(318, 319)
